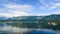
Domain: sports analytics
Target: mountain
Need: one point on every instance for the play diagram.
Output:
(2, 18)
(52, 17)
(26, 18)
(32, 18)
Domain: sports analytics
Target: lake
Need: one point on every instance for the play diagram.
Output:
(8, 29)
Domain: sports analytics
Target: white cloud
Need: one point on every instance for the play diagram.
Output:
(17, 10)
(44, 3)
(1, 9)
(20, 7)
(55, 12)
(56, 5)
(57, 0)
(6, 14)
(16, 13)
(19, 13)
(50, 5)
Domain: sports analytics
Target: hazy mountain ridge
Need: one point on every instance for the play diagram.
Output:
(49, 17)
(53, 16)
(2, 18)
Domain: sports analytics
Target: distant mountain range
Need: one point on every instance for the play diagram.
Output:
(2, 18)
(49, 17)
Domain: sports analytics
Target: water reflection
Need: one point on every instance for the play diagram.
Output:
(41, 32)
(12, 29)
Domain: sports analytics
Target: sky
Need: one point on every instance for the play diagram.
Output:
(10, 8)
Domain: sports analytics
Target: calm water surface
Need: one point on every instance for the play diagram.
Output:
(10, 29)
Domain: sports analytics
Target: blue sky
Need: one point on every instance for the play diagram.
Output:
(12, 8)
